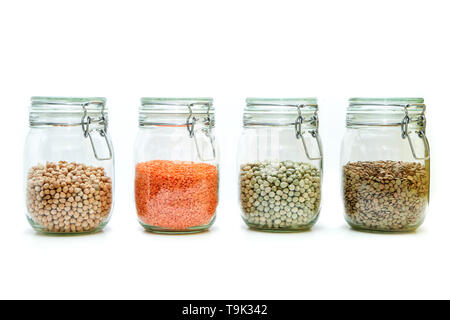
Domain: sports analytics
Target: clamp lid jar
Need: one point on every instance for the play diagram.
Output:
(280, 161)
(69, 167)
(386, 164)
(176, 176)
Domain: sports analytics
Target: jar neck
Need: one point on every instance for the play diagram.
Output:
(309, 120)
(64, 120)
(416, 124)
(176, 120)
(416, 120)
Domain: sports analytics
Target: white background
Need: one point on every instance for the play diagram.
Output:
(228, 50)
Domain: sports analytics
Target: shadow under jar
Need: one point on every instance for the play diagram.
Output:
(386, 164)
(176, 173)
(69, 166)
(280, 164)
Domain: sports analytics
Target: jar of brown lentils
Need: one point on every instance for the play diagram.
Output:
(385, 164)
(69, 167)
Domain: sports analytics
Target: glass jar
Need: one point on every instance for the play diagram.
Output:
(386, 164)
(280, 161)
(176, 173)
(69, 166)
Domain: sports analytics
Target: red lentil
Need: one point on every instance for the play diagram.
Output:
(176, 195)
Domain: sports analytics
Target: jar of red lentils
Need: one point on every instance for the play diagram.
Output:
(69, 166)
(176, 173)
(280, 162)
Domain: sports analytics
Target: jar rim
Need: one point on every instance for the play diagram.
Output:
(75, 105)
(66, 100)
(390, 101)
(280, 102)
(276, 107)
(171, 100)
(163, 105)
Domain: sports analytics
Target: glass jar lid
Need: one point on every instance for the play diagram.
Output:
(65, 110)
(406, 113)
(176, 111)
(278, 112)
(300, 113)
(384, 111)
(90, 114)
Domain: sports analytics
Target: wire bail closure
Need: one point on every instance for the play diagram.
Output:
(190, 126)
(314, 133)
(86, 122)
(421, 121)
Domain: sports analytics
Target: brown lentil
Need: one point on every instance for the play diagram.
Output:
(68, 197)
(385, 195)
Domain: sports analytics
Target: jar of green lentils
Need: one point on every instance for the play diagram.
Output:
(280, 164)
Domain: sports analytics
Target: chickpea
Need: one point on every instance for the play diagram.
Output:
(65, 197)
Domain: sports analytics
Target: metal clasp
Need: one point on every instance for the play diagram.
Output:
(86, 122)
(190, 126)
(421, 121)
(314, 133)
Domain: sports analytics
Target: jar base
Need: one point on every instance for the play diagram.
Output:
(280, 230)
(42, 230)
(360, 228)
(301, 228)
(192, 230)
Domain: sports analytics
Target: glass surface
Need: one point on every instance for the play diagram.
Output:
(67, 190)
(384, 187)
(279, 186)
(176, 173)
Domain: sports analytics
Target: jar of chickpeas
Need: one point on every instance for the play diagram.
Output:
(280, 160)
(69, 166)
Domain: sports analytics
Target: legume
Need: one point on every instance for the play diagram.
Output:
(176, 195)
(68, 197)
(385, 195)
(277, 195)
